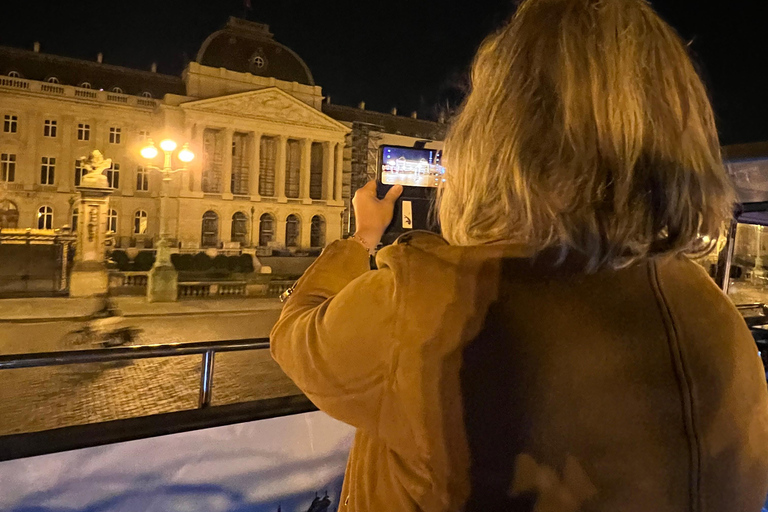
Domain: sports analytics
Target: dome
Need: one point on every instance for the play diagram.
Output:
(249, 47)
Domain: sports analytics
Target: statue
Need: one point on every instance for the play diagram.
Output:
(95, 164)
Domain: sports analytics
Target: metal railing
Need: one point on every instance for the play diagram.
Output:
(207, 349)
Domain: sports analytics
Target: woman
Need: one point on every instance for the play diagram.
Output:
(560, 351)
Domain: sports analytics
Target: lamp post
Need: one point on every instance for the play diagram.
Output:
(162, 284)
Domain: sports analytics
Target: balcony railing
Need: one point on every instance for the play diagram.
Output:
(68, 91)
(208, 351)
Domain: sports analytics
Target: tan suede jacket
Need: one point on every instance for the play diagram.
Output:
(482, 380)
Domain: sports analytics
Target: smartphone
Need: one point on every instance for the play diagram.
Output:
(420, 172)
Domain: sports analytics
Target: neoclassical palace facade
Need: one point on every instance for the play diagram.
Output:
(271, 169)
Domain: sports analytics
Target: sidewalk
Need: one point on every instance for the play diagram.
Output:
(60, 309)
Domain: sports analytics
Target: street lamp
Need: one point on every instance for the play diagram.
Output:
(163, 278)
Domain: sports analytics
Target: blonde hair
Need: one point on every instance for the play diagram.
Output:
(587, 129)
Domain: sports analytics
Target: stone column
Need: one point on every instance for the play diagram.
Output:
(305, 231)
(226, 164)
(279, 230)
(327, 171)
(306, 159)
(282, 147)
(339, 173)
(89, 273)
(196, 169)
(255, 168)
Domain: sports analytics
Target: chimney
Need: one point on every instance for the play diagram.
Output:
(328, 99)
(441, 118)
(414, 115)
(394, 111)
(36, 47)
(361, 106)
(153, 67)
(99, 57)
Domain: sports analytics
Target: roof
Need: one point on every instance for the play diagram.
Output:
(400, 125)
(249, 47)
(751, 151)
(68, 71)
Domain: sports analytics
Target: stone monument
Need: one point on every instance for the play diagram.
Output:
(89, 273)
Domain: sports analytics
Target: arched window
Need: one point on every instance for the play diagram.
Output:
(266, 229)
(52, 80)
(86, 85)
(118, 90)
(146, 94)
(140, 223)
(14, 74)
(112, 221)
(317, 232)
(292, 231)
(45, 217)
(75, 218)
(9, 215)
(210, 230)
(239, 227)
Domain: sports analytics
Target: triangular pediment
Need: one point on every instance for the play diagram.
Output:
(271, 104)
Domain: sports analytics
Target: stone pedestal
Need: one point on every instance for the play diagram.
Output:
(89, 273)
(163, 284)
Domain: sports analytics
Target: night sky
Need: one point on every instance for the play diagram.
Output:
(409, 54)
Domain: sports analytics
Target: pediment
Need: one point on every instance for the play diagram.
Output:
(270, 104)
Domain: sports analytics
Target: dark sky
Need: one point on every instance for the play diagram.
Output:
(410, 54)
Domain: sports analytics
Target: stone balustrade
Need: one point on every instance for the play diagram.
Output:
(68, 91)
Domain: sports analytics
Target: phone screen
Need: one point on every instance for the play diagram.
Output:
(411, 167)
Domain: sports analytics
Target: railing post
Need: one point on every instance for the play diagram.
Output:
(206, 379)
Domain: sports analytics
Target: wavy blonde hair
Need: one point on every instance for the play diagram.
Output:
(587, 129)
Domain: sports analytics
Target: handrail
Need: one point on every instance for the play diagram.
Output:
(207, 349)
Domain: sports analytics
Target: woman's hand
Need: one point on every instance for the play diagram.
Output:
(373, 215)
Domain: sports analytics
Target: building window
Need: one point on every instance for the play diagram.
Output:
(317, 232)
(45, 217)
(114, 135)
(10, 124)
(49, 128)
(240, 167)
(14, 74)
(8, 167)
(210, 230)
(79, 172)
(47, 170)
(113, 176)
(143, 135)
(316, 171)
(118, 90)
(142, 178)
(292, 231)
(266, 229)
(112, 221)
(85, 85)
(146, 94)
(9, 215)
(212, 161)
(83, 131)
(52, 80)
(140, 223)
(267, 157)
(239, 227)
(292, 169)
(75, 218)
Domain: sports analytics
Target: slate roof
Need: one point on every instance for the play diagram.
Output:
(41, 66)
(401, 125)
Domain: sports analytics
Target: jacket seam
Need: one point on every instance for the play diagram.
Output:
(685, 387)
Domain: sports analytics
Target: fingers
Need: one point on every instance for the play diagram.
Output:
(393, 193)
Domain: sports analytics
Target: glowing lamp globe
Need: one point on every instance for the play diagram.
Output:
(185, 155)
(149, 152)
(167, 145)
